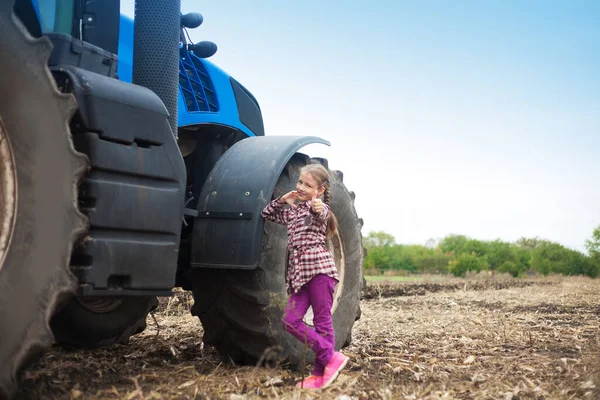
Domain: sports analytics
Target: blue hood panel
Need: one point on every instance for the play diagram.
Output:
(205, 92)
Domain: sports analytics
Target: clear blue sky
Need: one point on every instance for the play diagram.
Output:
(471, 117)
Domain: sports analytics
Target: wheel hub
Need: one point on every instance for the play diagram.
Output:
(8, 192)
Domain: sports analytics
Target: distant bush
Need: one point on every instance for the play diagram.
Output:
(512, 268)
(459, 254)
(467, 263)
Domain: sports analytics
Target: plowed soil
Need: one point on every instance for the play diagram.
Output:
(508, 339)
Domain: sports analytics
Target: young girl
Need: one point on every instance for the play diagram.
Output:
(312, 274)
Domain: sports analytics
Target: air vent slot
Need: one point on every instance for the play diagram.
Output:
(195, 84)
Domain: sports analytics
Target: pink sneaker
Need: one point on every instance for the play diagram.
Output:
(312, 382)
(333, 368)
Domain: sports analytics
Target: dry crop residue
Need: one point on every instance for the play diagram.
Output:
(526, 339)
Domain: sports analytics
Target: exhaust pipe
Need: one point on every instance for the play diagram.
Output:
(157, 26)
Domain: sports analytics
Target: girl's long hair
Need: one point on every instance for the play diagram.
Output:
(321, 175)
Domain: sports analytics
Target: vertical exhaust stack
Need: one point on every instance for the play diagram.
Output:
(156, 50)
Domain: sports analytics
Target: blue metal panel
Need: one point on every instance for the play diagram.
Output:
(125, 53)
(225, 111)
(228, 112)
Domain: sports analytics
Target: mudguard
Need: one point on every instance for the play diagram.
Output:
(228, 228)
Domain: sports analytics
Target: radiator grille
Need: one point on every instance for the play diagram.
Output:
(196, 85)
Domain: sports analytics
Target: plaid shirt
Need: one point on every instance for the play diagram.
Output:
(308, 254)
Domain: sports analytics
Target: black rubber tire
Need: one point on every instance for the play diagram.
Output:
(241, 311)
(34, 264)
(78, 326)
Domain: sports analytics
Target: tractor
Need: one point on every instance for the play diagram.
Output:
(131, 165)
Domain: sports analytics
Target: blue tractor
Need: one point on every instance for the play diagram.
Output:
(131, 165)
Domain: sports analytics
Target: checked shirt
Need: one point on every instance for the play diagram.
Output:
(308, 254)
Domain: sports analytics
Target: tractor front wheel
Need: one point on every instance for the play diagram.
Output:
(241, 311)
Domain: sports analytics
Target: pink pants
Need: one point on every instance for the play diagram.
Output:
(318, 293)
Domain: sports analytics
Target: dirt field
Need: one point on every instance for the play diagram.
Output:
(475, 340)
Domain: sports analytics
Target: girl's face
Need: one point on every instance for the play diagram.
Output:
(307, 186)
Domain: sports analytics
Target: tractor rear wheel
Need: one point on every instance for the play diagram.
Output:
(39, 220)
(241, 311)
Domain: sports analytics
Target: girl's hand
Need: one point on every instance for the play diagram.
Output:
(316, 204)
(289, 198)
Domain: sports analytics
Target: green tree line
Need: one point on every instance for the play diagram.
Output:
(458, 254)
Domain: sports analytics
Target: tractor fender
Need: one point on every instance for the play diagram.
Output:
(228, 226)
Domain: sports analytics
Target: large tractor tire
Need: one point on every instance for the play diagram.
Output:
(39, 220)
(98, 322)
(241, 311)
